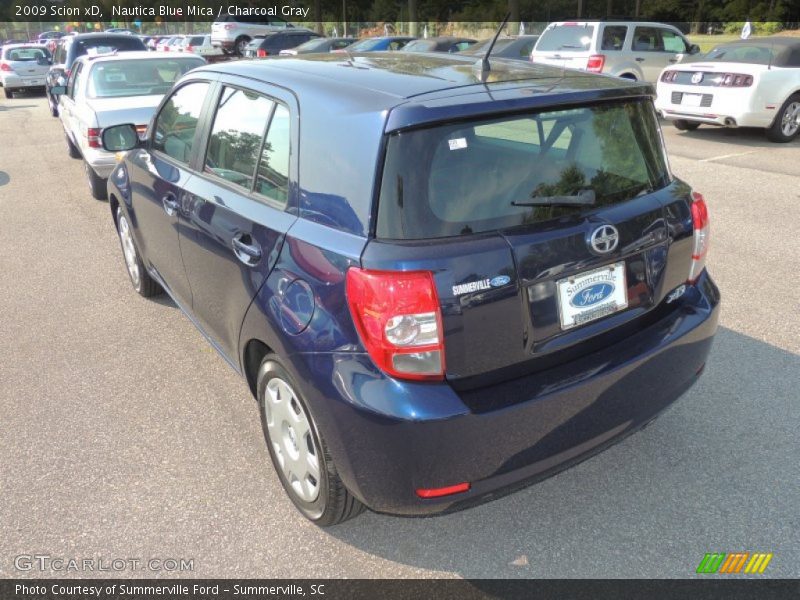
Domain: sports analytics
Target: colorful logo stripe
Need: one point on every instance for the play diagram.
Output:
(720, 562)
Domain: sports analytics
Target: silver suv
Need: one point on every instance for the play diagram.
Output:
(232, 34)
(630, 49)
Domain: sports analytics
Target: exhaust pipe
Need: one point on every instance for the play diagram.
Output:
(730, 122)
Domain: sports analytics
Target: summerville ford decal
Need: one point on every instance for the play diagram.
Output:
(481, 284)
(594, 294)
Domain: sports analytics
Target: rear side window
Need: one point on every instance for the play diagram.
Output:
(646, 39)
(566, 37)
(177, 122)
(272, 179)
(613, 37)
(236, 136)
(485, 175)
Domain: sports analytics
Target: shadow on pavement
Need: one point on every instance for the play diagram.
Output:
(750, 137)
(4, 107)
(718, 471)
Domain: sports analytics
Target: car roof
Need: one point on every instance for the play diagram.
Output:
(135, 55)
(99, 34)
(777, 41)
(386, 79)
(24, 45)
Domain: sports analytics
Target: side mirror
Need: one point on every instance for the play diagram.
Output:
(120, 138)
(58, 90)
(694, 49)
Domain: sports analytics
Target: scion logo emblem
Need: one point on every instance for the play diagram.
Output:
(604, 239)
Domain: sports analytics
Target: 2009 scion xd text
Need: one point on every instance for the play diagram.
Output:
(440, 280)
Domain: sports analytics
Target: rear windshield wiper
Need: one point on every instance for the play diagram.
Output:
(582, 198)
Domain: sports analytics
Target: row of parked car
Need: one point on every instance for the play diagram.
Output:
(457, 276)
(493, 276)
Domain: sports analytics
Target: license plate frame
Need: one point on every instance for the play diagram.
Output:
(694, 100)
(575, 310)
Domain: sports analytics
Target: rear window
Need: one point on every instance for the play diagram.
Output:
(106, 46)
(137, 77)
(566, 37)
(26, 54)
(483, 175)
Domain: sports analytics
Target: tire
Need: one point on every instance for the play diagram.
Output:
(9, 93)
(72, 149)
(684, 125)
(286, 418)
(144, 285)
(240, 45)
(787, 122)
(97, 185)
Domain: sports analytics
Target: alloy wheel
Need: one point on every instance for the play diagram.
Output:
(790, 121)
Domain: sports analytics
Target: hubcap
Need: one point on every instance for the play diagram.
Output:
(791, 119)
(291, 439)
(129, 250)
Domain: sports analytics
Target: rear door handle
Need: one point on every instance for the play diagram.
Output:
(673, 60)
(246, 249)
(639, 59)
(170, 203)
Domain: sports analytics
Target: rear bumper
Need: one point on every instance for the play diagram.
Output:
(224, 43)
(16, 82)
(389, 438)
(102, 162)
(728, 108)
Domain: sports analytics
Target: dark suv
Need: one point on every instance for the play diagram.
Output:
(445, 283)
(273, 43)
(71, 47)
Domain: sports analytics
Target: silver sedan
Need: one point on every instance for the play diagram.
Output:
(112, 89)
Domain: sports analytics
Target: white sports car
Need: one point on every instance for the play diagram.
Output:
(747, 83)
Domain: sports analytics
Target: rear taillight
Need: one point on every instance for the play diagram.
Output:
(700, 224)
(93, 137)
(66, 73)
(398, 318)
(595, 64)
(229, 26)
(141, 130)
(669, 76)
(262, 53)
(6, 67)
(189, 48)
(734, 80)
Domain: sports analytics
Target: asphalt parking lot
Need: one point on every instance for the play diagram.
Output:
(124, 435)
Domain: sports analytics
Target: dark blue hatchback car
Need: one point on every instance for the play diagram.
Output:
(438, 282)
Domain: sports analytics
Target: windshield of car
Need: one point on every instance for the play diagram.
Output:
(482, 47)
(757, 53)
(490, 174)
(138, 77)
(566, 37)
(26, 54)
(364, 45)
(420, 46)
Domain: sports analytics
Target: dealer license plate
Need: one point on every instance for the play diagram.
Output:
(592, 295)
